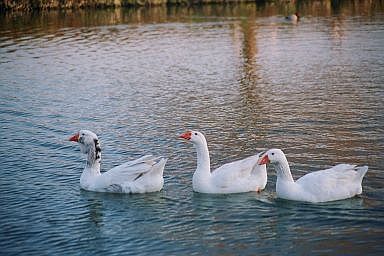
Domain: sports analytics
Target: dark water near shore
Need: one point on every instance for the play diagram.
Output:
(138, 78)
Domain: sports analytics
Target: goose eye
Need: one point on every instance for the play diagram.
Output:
(196, 133)
(273, 154)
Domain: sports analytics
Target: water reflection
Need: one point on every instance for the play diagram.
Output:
(95, 208)
(251, 84)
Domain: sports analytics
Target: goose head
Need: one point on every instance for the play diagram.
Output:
(272, 156)
(293, 17)
(88, 141)
(195, 137)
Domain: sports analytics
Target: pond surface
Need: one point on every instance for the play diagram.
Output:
(138, 78)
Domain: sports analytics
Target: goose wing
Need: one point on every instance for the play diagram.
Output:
(228, 174)
(132, 170)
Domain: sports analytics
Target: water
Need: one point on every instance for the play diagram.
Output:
(139, 78)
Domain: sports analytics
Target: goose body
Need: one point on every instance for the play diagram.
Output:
(138, 176)
(236, 177)
(339, 182)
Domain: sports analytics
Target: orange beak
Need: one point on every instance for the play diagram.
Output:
(75, 137)
(186, 136)
(263, 160)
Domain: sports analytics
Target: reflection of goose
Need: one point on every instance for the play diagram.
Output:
(236, 177)
(293, 17)
(139, 176)
(339, 182)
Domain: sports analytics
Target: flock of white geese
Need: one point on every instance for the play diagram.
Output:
(250, 174)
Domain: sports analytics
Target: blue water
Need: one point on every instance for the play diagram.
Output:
(139, 78)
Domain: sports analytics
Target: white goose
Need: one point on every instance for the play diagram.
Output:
(236, 177)
(339, 182)
(139, 176)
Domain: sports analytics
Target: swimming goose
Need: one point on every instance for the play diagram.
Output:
(236, 177)
(293, 17)
(139, 176)
(339, 182)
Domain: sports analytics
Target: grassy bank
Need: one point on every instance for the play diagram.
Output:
(29, 5)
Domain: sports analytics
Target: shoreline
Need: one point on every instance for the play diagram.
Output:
(45, 5)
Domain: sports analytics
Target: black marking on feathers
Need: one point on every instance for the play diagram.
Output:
(138, 176)
(97, 149)
(114, 188)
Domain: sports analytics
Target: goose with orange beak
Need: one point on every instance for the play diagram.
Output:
(138, 176)
(338, 182)
(244, 175)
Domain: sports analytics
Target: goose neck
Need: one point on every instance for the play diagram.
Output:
(92, 168)
(203, 159)
(92, 165)
(283, 171)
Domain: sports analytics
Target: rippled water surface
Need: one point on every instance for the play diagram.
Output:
(138, 78)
